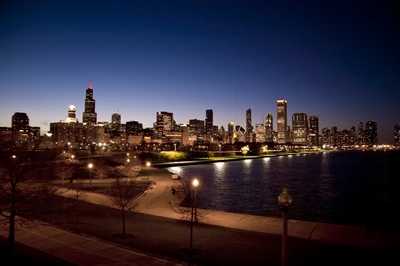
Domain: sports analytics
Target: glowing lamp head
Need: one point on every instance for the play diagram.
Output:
(284, 199)
(195, 182)
(90, 166)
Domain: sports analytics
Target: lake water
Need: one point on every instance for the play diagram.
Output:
(352, 187)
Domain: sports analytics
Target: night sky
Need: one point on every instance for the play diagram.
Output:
(338, 60)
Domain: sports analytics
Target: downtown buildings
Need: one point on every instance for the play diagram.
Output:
(303, 133)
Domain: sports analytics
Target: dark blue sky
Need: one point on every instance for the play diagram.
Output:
(338, 60)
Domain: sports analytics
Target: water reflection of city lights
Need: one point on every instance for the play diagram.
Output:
(247, 161)
(290, 155)
(266, 159)
(219, 164)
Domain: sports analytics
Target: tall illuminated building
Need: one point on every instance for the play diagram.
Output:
(397, 135)
(371, 133)
(209, 121)
(164, 123)
(360, 135)
(249, 127)
(313, 130)
(281, 119)
(115, 122)
(231, 129)
(269, 128)
(300, 128)
(89, 116)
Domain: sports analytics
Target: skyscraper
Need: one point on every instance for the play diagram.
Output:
(164, 123)
(281, 119)
(209, 121)
(397, 135)
(115, 121)
(313, 130)
(249, 127)
(89, 116)
(231, 129)
(300, 128)
(371, 133)
(269, 128)
(360, 136)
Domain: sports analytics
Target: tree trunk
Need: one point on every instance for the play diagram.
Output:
(11, 230)
(123, 221)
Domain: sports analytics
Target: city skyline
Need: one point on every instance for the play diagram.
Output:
(327, 60)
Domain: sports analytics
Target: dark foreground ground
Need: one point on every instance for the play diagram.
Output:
(214, 245)
(25, 255)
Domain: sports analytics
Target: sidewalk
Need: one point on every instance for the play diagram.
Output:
(159, 201)
(82, 250)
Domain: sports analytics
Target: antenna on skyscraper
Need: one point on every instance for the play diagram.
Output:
(90, 85)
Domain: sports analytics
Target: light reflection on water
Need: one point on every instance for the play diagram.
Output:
(331, 187)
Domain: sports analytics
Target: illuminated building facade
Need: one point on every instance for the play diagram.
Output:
(281, 119)
(164, 123)
(20, 122)
(115, 122)
(230, 135)
(89, 116)
(269, 130)
(360, 135)
(300, 128)
(133, 128)
(209, 122)
(249, 127)
(397, 135)
(196, 128)
(371, 133)
(325, 136)
(313, 125)
(260, 133)
(71, 118)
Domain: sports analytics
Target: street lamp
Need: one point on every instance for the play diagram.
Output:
(285, 200)
(90, 176)
(148, 170)
(174, 146)
(195, 183)
(219, 146)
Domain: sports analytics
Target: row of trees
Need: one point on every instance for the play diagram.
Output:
(25, 190)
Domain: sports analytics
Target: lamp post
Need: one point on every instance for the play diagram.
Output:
(90, 175)
(195, 183)
(129, 166)
(285, 200)
(219, 146)
(174, 146)
(148, 171)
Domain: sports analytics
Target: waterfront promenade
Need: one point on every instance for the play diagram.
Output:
(221, 238)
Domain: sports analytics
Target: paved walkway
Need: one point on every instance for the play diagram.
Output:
(159, 201)
(82, 250)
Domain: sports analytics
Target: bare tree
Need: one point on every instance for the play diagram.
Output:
(77, 196)
(64, 172)
(102, 168)
(21, 194)
(122, 193)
